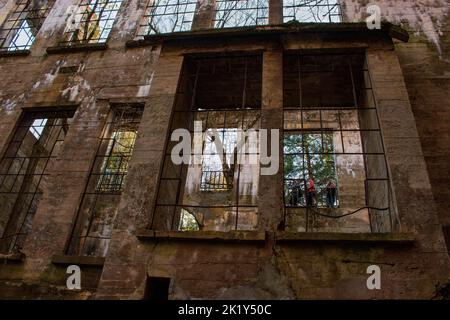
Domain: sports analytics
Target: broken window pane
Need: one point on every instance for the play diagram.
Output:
(24, 171)
(115, 165)
(217, 161)
(311, 10)
(92, 21)
(335, 175)
(219, 192)
(19, 30)
(166, 16)
(240, 13)
(188, 221)
(304, 160)
(105, 184)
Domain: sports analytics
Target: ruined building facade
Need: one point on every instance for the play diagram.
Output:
(95, 96)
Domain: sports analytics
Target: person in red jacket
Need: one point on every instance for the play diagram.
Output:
(310, 193)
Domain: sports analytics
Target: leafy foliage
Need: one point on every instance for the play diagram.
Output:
(308, 155)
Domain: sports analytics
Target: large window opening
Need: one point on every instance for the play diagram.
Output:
(304, 161)
(24, 172)
(335, 172)
(92, 22)
(219, 193)
(241, 13)
(100, 202)
(19, 30)
(166, 16)
(312, 11)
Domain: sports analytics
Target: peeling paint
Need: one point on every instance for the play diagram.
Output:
(56, 18)
(426, 16)
(10, 104)
(72, 92)
(145, 89)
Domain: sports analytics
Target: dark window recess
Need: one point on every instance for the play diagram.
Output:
(24, 172)
(101, 197)
(68, 70)
(446, 230)
(157, 289)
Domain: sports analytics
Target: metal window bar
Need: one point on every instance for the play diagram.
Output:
(210, 180)
(303, 128)
(24, 171)
(214, 181)
(312, 11)
(92, 22)
(325, 159)
(20, 28)
(240, 13)
(173, 210)
(167, 16)
(94, 222)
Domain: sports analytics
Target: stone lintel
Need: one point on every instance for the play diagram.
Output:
(78, 260)
(15, 53)
(13, 257)
(77, 48)
(281, 236)
(238, 236)
(391, 238)
(292, 27)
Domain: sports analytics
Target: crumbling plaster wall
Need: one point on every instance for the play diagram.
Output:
(90, 80)
(425, 62)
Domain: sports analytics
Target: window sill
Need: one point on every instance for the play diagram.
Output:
(16, 53)
(281, 236)
(379, 238)
(231, 236)
(13, 257)
(78, 260)
(77, 48)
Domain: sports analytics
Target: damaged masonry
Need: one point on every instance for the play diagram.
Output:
(224, 149)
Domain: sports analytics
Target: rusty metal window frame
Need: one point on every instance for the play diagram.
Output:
(218, 186)
(312, 11)
(167, 16)
(106, 176)
(20, 177)
(241, 13)
(192, 113)
(20, 28)
(376, 223)
(92, 22)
